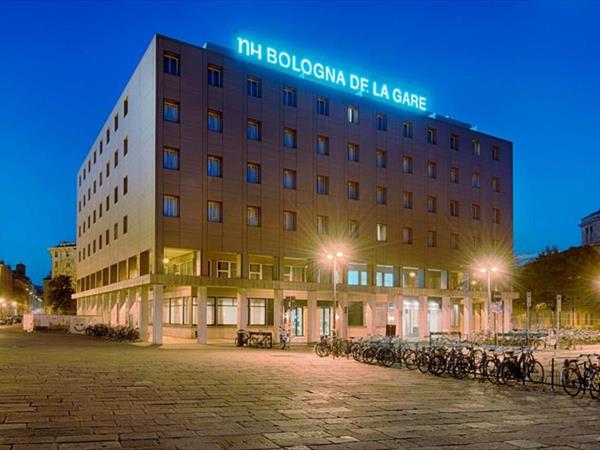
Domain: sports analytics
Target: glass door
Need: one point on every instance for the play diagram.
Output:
(410, 319)
(324, 321)
(434, 316)
(297, 318)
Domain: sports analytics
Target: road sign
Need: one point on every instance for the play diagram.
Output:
(558, 303)
(497, 296)
(528, 299)
(496, 308)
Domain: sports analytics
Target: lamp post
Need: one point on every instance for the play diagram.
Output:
(488, 270)
(333, 257)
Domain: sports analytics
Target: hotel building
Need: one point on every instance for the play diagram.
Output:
(216, 188)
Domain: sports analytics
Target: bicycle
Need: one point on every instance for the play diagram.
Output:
(581, 376)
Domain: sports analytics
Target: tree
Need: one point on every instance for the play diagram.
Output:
(60, 290)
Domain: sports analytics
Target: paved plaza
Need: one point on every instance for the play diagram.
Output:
(74, 392)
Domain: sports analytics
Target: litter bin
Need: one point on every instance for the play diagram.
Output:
(240, 339)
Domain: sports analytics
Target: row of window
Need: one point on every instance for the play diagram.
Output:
(91, 218)
(215, 214)
(290, 98)
(103, 240)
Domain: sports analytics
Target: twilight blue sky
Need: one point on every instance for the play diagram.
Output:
(528, 72)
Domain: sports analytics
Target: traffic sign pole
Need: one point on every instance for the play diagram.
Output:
(528, 314)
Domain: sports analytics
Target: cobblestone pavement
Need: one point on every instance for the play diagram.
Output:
(74, 392)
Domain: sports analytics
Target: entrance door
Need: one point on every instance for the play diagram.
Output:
(410, 319)
(297, 318)
(324, 321)
(434, 316)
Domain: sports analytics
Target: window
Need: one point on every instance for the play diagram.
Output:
(322, 185)
(253, 216)
(100, 146)
(352, 113)
(352, 228)
(381, 195)
(95, 157)
(107, 237)
(171, 63)
(107, 169)
(355, 314)
(495, 215)
(290, 97)
(215, 166)
(454, 208)
(226, 311)
(384, 276)
(381, 158)
(226, 269)
(107, 135)
(381, 122)
(432, 169)
(322, 225)
(125, 107)
(116, 122)
(100, 178)
(352, 152)
(115, 232)
(407, 129)
(215, 211)
(322, 145)
(253, 173)
(495, 153)
(171, 111)
(215, 121)
(116, 158)
(381, 229)
(125, 225)
(289, 221)
(107, 203)
(475, 180)
(496, 184)
(431, 239)
(323, 106)
(407, 164)
(289, 179)
(253, 130)
(170, 206)
(454, 241)
(125, 185)
(476, 211)
(294, 273)
(125, 146)
(431, 135)
(454, 175)
(407, 235)
(258, 271)
(254, 87)
(476, 147)
(116, 195)
(454, 142)
(289, 138)
(352, 190)
(477, 241)
(215, 76)
(357, 274)
(257, 311)
(170, 158)
(407, 200)
(431, 204)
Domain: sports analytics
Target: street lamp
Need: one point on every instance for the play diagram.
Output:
(489, 270)
(334, 257)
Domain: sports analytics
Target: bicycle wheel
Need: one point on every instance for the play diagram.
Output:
(386, 357)
(322, 350)
(461, 368)
(508, 373)
(571, 381)
(423, 362)
(437, 365)
(594, 384)
(410, 359)
(535, 372)
(368, 355)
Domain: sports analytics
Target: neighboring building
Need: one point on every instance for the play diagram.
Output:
(63, 260)
(216, 186)
(590, 229)
(17, 293)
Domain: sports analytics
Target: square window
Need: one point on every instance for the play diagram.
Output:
(407, 164)
(170, 111)
(215, 211)
(215, 166)
(289, 221)
(352, 114)
(454, 141)
(289, 138)
(170, 158)
(254, 87)
(352, 151)
(352, 189)
(215, 121)
(322, 145)
(495, 153)
(171, 63)
(253, 173)
(381, 195)
(381, 158)
(432, 169)
(322, 185)
(253, 131)
(290, 97)
(476, 180)
(253, 216)
(381, 122)
(170, 206)
(289, 179)
(381, 232)
(476, 147)
(215, 75)
(431, 135)
(407, 129)
(322, 106)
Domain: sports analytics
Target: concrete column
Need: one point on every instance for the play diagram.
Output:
(487, 320)
(312, 326)
(423, 313)
(242, 309)
(277, 312)
(202, 328)
(107, 308)
(371, 316)
(130, 293)
(467, 328)
(143, 313)
(342, 320)
(446, 314)
(399, 303)
(507, 314)
(157, 314)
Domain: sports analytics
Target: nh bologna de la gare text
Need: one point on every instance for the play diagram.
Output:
(307, 68)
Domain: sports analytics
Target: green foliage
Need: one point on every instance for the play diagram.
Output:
(60, 290)
(573, 273)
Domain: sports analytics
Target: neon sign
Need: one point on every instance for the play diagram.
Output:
(311, 69)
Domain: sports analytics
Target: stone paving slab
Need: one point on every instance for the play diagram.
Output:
(73, 392)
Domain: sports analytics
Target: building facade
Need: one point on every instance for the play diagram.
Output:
(17, 292)
(590, 229)
(63, 260)
(216, 188)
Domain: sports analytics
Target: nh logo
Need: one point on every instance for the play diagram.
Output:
(248, 48)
